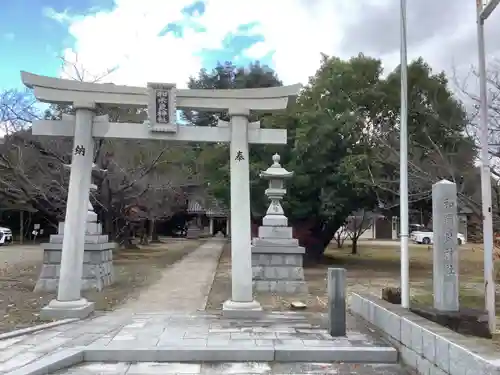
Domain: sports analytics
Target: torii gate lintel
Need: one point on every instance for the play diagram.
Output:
(66, 91)
(102, 128)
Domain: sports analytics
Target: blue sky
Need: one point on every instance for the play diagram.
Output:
(169, 40)
(34, 34)
(33, 41)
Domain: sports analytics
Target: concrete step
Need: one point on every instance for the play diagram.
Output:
(286, 353)
(242, 352)
(233, 368)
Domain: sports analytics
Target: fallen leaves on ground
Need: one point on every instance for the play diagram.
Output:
(134, 270)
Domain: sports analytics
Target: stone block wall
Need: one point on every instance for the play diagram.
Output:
(278, 272)
(97, 268)
(428, 347)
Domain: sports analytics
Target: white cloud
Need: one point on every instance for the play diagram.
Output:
(258, 50)
(296, 30)
(9, 36)
(128, 37)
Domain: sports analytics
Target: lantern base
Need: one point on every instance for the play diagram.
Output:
(275, 221)
(277, 262)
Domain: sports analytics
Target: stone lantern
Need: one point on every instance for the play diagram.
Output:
(276, 175)
(276, 255)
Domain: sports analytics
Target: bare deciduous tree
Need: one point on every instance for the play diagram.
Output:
(468, 90)
(357, 224)
(147, 174)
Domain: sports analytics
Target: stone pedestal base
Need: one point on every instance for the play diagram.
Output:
(277, 265)
(97, 267)
(97, 261)
(67, 309)
(232, 309)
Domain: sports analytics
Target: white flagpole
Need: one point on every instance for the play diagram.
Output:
(483, 11)
(403, 171)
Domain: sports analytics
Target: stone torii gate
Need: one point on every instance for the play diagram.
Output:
(162, 101)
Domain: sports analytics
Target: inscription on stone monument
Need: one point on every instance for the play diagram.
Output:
(447, 203)
(445, 256)
(162, 114)
(162, 107)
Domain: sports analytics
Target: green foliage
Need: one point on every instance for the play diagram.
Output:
(328, 136)
(323, 134)
(215, 157)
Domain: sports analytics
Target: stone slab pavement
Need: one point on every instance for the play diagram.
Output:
(234, 368)
(10, 255)
(206, 329)
(201, 336)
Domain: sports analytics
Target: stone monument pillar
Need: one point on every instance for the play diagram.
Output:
(445, 254)
(97, 271)
(276, 255)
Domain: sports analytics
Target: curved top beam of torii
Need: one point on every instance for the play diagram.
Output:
(58, 90)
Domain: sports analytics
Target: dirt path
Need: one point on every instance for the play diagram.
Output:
(184, 286)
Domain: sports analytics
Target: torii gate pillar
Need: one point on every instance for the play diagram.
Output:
(241, 303)
(69, 303)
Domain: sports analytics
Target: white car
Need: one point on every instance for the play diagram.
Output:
(426, 237)
(5, 236)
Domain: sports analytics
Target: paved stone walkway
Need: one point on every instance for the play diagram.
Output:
(196, 337)
(184, 286)
(205, 329)
(235, 368)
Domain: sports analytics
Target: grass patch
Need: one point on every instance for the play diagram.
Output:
(373, 268)
(381, 259)
(467, 298)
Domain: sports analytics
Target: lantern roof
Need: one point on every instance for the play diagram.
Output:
(276, 171)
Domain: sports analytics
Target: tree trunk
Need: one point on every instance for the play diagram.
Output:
(154, 231)
(108, 225)
(144, 230)
(315, 237)
(125, 238)
(340, 242)
(354, 246)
